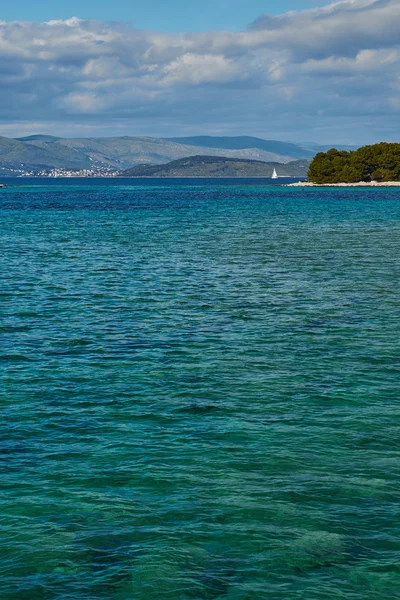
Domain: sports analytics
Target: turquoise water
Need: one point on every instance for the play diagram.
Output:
(199, 391)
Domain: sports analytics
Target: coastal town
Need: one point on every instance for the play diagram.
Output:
(95, 172)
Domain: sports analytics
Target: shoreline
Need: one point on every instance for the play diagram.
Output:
(358, 184)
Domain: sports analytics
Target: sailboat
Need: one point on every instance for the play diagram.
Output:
(275, 175)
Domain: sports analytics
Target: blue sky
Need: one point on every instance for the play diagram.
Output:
(161, 15)
(325, 72)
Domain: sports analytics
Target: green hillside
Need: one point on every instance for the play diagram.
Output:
(211, 166)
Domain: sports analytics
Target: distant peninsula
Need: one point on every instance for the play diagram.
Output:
(51, 156)
(214, 166)
(378, 164)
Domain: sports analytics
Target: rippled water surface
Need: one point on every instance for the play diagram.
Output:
(199, 391)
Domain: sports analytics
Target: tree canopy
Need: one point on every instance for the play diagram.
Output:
(380, 162)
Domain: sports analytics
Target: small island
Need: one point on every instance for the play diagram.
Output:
(376, 165)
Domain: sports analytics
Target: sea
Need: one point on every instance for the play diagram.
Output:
(199, 391)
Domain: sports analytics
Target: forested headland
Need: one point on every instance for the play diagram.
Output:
(379, 162)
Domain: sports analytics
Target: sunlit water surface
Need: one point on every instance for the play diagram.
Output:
(199, 391)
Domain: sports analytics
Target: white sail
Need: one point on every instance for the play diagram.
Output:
(274, 174)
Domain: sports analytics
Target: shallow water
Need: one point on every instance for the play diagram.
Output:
(199, 391)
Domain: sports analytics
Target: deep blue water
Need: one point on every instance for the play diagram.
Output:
(199, 391)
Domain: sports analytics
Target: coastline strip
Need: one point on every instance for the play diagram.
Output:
(358, 184)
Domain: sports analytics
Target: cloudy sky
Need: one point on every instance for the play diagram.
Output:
(310, 71)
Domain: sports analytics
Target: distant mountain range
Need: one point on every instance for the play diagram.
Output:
(43, 151)
(216, 166)
(281, 149)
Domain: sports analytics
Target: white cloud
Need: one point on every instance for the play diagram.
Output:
(196, 69)
(315, 68)
(83, 102)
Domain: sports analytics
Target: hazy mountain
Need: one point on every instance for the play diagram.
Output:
(214, 166)
(15, 154)
(45, 151)
(123, 152)
(242, 142)
(314, 148)
(38, 138)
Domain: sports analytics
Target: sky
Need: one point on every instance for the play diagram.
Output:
(158, 15)
(289, 70)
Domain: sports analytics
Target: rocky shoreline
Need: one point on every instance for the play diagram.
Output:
(303, 184)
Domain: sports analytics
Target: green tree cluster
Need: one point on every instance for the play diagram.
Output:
(380, 162)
